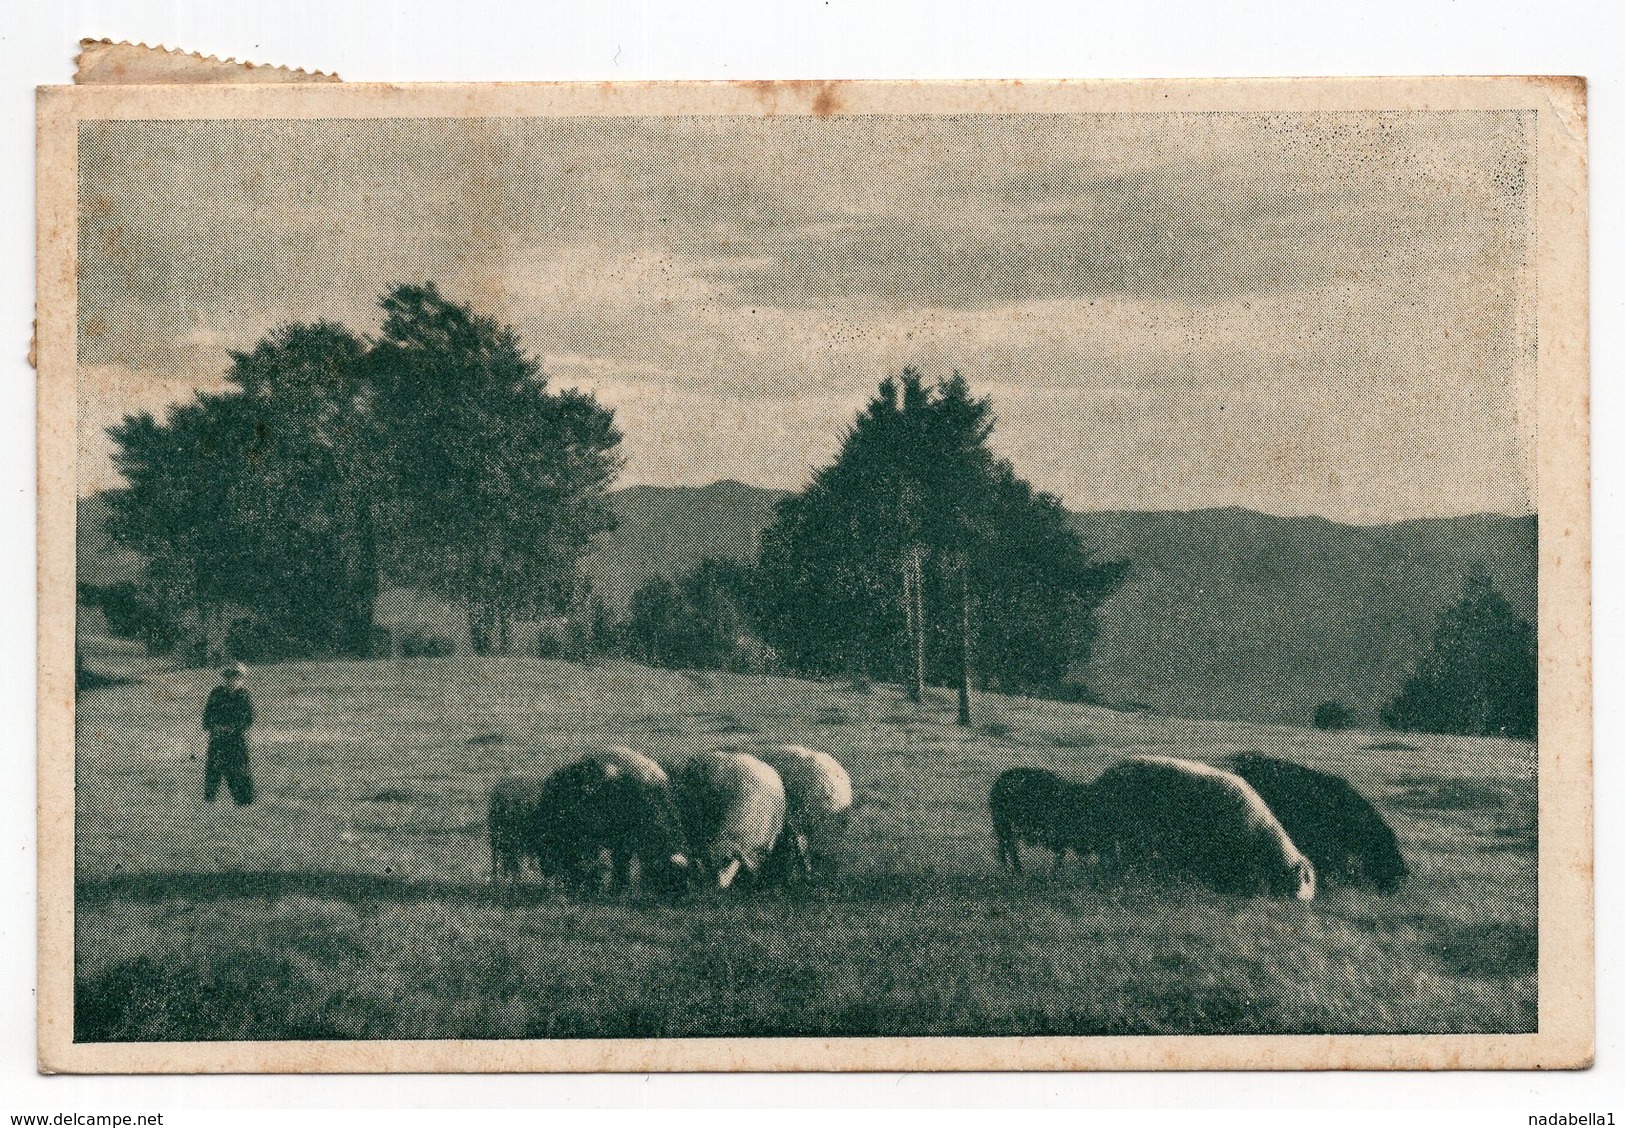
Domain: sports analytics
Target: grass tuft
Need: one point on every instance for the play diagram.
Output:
(1448, 795)
(1496, 951)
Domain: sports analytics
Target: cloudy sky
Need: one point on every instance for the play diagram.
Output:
(1325, 313)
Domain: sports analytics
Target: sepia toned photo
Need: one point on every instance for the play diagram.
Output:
(814, 576)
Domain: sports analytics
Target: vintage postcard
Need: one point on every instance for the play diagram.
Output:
(814, 576)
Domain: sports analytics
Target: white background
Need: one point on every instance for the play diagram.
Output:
(380, 41)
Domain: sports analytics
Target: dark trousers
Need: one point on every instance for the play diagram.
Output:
(228, 760)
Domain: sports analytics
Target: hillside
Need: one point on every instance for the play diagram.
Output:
(1230, 613)
(1227, 613)
(354, 900)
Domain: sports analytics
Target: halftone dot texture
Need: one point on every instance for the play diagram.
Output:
(1307, 314)
(353, 899)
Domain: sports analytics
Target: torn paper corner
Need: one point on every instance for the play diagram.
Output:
(105, 63)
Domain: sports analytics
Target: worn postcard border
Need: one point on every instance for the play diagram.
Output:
(1566, 989)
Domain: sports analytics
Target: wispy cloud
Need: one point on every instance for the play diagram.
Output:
(1164, 306)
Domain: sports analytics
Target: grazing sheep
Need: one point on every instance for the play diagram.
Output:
(818, 798)
(1042, 808)
(1343, 834)
(1188, 818)
(567, 822)
(641, 767)
(512, 817)
(732, 806)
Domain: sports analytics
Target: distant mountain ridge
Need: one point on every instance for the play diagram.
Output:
(1226, 613)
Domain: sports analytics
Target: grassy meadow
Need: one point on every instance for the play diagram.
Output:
(352, 900)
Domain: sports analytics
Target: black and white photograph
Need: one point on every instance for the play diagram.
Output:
(837, 575)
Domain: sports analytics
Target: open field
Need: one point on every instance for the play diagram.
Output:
(352, 900)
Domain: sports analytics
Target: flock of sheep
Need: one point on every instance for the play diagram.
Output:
(726, 814)
(1257, 826)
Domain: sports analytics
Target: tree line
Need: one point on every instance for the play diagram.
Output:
(1478, 675)
(434, 456)
(917, 556)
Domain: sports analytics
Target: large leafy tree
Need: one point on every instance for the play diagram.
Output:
(499, 484)
(262, 497)
(1480, 676)
(312, 487)
(183, 512)
(919, 553)
(435, 456)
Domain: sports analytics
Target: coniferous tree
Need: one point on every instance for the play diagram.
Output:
(918, 554)
(1480, 676)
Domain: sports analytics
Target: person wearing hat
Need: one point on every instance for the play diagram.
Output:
(226, 717)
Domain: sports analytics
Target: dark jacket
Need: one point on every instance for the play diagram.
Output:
(228, 714)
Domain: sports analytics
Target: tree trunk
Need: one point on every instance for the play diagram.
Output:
(964, 640)
(919, 623)
(908, 629)
(363, 586)
(479, 627)
(203, 631)
(914, 658)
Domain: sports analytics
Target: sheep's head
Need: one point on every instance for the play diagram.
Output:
(1305, 872)
(673, 876)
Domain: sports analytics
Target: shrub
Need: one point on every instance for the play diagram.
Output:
(1333, 715)
(420, 643)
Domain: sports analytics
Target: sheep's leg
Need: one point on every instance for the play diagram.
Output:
(1009, 850)
(1001, 844)
(801, 860)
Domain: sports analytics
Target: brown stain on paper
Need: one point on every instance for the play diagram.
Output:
(821, 97)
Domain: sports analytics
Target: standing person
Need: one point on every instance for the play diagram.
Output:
(226, 717)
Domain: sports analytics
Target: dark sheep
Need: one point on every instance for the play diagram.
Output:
(1041, 808)
(1188, 819)
(569, 821)
(1343, 834)
(512, 816)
